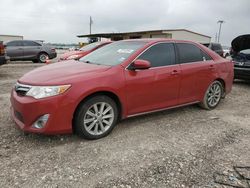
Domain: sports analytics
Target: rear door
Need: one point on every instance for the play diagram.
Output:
(157, 87)
(31, 49)
(197, 70)
(14, 49)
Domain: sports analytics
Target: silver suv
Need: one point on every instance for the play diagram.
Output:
(29, 50)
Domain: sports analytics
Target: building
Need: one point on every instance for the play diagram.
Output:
(180, 34)
(6, 38)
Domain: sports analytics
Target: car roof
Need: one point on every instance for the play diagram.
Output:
(155, 40)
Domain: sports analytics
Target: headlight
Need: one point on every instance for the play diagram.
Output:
(73, 57)
(39, 92)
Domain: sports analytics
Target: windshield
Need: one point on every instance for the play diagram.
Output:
(113, 54)
(90, 46)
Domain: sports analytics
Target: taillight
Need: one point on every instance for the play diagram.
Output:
(2, 51)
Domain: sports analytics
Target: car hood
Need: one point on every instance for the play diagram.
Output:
(61, 73)
(67, 54)
(241, 43)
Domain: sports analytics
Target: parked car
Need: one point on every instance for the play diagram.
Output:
(215, 47)
(77, 54)
(241, 57)
(24, 50)
(226, 51)
(120, 80)
(3, 57)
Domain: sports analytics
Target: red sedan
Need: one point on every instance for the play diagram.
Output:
(77, 54)
(120, 80)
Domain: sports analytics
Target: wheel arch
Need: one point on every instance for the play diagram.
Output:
(110, 94)
(223, 83)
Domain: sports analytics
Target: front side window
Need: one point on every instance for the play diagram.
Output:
(160, 55)
(30, 43)
(189, 53)
(114, 53)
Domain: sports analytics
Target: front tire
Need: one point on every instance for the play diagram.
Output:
(96, 117)
(212, 96)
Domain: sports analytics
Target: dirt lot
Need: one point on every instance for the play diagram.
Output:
(185, 147)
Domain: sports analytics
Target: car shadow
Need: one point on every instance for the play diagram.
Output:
(118, 131)
(242, 82)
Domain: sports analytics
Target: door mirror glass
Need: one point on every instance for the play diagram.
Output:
(140, 64)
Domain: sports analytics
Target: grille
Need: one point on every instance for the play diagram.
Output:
(245, 64)
(22, 89)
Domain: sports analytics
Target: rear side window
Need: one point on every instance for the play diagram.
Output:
(14, 43)
(160, 55)
(189, 53)
(30, 43)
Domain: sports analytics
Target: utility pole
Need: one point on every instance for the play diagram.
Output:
(90, 24)
(220, 22)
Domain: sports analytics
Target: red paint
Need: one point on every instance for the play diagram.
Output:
(80, 53)
(139, 91)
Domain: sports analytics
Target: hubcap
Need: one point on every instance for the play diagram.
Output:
(214, 95)
(98, 118)
(43, 57)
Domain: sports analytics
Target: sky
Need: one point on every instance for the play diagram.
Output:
(60, 21)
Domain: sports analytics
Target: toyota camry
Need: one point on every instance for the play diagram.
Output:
(123, 79)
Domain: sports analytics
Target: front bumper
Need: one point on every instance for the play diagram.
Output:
(242, 73)
(26, 110)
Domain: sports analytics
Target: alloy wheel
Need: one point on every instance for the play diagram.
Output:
(98, 118)
(43, 57)
(214, 94)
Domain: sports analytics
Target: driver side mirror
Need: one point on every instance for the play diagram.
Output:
(139, 64)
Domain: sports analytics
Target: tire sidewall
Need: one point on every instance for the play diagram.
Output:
(206, 104)
(79, 120)
(39, 55)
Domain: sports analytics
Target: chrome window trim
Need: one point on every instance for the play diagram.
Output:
(176, 63)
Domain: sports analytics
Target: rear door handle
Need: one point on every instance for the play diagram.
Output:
(175, 72)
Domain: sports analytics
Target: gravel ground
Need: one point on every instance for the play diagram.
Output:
(184, 147)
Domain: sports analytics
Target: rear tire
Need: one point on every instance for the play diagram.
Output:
(42, 57)
(212, 96)
(96, 117)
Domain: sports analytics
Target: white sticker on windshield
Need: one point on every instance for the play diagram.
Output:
(125, 51)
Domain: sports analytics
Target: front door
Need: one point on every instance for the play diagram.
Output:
(156, 87)
(31, 49)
